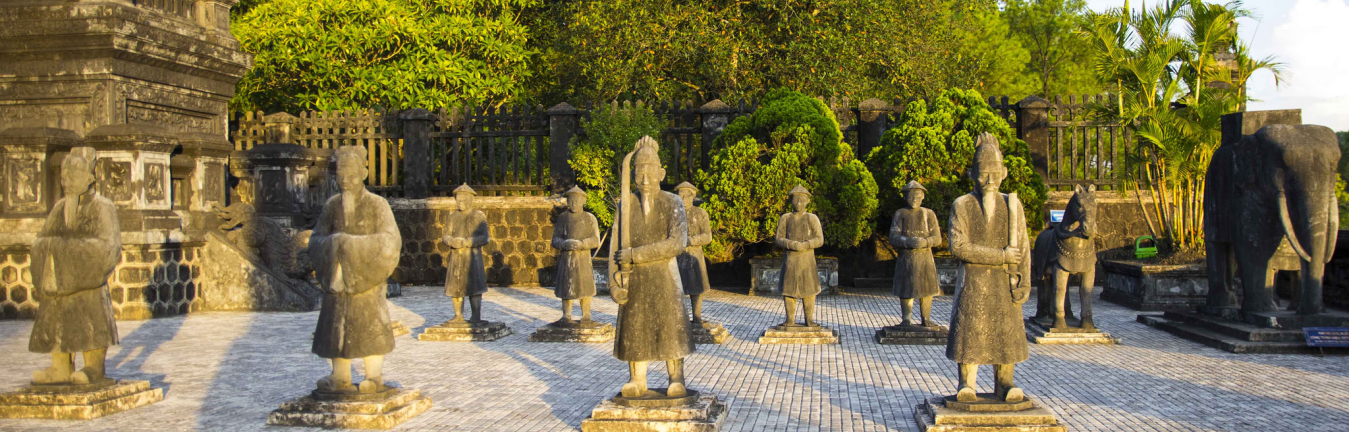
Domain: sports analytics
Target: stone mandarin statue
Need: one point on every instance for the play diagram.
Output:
(988, 234)
(354, 249)
(465, 276)
(914, 232)
(576, 233)
(799, 233)
(652, 230)
(79, 246)
(692, 264)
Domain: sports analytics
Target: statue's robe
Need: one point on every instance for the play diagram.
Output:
(986, 325)
(800, 277)
(654, 324)
(464, 271)
(70, 267)
(692, 263)
(353, 270)
(915, 270)
(575, 272)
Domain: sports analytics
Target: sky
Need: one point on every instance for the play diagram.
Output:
(1310, 38)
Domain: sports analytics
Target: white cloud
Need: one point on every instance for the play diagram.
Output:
(1310, 39)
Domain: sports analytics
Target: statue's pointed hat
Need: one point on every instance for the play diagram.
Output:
(463, 188)
(986, 151)
(575, 190)
(648, 151)
(799, 190)
(913, 184)
(686, 185)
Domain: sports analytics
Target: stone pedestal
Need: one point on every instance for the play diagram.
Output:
(912, 335)
(708, 332)
(1042, 331)
(1154, 287)
(574, 331)
(945, 414)
(382, 410)
(694, 413)
(799, 335)
(400, 329)
(1232, 331)
(465, 331)
(78, 401)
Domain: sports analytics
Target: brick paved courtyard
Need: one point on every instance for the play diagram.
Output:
(226, 371)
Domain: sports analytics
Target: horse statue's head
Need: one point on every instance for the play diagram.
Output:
(1080, 216)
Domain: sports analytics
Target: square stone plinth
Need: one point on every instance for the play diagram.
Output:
(799, 335)
(706, 414)
(709, 332)
(574, 331)
(912, 335)
(1042, 333)
(399, 328)
(481, 331)
(382, 410)
(934, 415)
(78, 402)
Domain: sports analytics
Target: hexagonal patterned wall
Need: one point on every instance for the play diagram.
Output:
(152, 280)
(519, 253)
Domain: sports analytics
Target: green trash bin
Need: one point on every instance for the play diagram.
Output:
(1141, 251)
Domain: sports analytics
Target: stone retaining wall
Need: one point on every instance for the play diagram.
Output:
(152, 280)
(519, 253)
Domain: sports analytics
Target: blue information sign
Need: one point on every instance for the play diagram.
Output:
(1056, 215)
(1327, 336)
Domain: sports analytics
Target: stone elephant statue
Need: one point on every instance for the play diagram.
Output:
(1273, 188)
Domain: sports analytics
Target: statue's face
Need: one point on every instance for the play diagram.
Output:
(687, 196)
(76, 181)
(799, 202)
(916, 198)
(350, 174)
(987, 178)
(576, 202)
(463, 200)
(647, 176)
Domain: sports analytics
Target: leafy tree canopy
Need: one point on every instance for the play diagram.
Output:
(610, 133)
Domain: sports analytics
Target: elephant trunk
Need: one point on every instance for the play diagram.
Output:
(1308, 210)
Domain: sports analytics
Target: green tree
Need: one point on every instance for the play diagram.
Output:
(1059, 58)
(934, 144)
(791, 139)
(610, 133)
(339, 54)
(1174, 87)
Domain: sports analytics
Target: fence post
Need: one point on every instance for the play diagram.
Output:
(871, 125)
(416, 152)
(713, 116)
(561, 128)
(1032, 126)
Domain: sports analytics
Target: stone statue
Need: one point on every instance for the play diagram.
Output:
(1074, 252)
(692, 264)
(79, 246)
(799, 233)
(651, 231)
(988, 234)
(575, 233)
(914, 232)
(260, 237)
(354, 249)
(1042, 276)
(465, 276)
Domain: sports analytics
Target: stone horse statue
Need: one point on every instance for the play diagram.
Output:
(1070, 250)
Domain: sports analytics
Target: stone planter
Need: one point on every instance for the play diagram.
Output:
(1154, 287)
(948, 274)
(601, 269)
(764, 273)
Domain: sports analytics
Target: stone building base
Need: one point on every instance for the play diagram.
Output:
(382, 410)
(912, 335)
(799, 335)
(574, 331)
(1277, 332)
(944, 414)
(1039, 332)
(78, 401)
(399, 328)
(709, 332)
(703, 413)
(450, 331)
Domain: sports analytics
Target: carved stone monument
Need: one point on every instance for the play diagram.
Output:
(914, 231)
(799, 233)
(1071, 251)
(988, 234)
(465, 276)
(653, 325)
(355, 249)
(76, 251)
(575, 233)
(693, 267)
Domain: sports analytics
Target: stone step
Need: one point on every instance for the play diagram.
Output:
(1235, 329)
(304, 411)
(456, 332)
(1223, 341)
(79, 405)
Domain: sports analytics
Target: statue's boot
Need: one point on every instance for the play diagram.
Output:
(809, 306)
(790, 304)
(676, 368)
(636, 387)
(585, 309)
(374, 375)
(458, 309)
(1003, 386)
(697, 301)
(58, 372)
(967, 394)
(475, 306)
(968, 373)
(340, 379)
(906, 309)
(93, 367)
(925, 309)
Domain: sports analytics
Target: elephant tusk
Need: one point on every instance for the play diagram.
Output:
(1333, 233)
(1288, 228)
